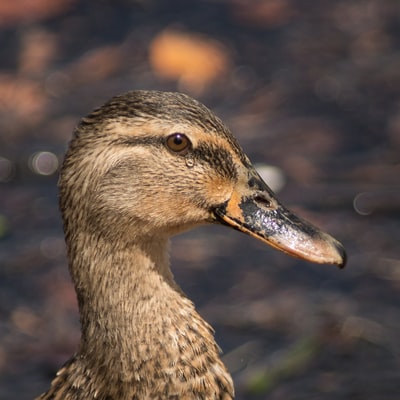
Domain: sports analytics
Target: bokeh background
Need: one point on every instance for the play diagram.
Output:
(310, 88)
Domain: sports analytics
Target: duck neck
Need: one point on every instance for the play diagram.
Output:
(120, 289)
(135, 320)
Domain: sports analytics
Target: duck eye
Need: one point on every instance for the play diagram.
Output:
(178, 143)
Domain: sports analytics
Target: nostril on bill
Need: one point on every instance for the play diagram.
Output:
(262, 201)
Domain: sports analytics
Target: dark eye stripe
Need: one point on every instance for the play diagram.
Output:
(218, 157)
(139, 141)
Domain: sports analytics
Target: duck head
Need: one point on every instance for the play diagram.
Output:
(151, 164)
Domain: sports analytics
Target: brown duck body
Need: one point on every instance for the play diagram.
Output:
(141, 168)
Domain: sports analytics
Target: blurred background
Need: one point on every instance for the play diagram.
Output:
(311, 90)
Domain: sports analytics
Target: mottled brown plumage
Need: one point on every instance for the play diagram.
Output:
(128, 183)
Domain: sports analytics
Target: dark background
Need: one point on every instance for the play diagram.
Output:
(308, 87)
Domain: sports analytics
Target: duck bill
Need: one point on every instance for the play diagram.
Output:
(258, 213)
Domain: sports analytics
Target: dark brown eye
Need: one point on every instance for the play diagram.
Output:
(178, 143)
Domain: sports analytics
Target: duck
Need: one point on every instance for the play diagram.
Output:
(143, 167)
